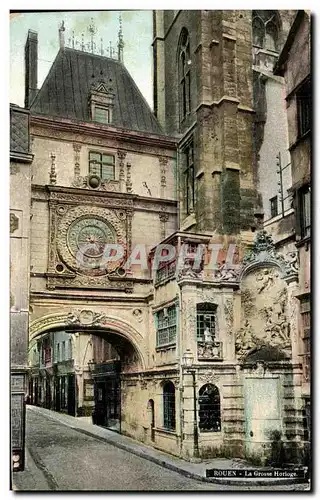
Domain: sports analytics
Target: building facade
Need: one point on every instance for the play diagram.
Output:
(294, 65)
(201, 356)
(20, 199)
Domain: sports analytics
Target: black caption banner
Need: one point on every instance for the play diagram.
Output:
(301, 473)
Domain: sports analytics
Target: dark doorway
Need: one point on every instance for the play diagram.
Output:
(48, 394)
(71, 394)
(57, 394)
(107, 395)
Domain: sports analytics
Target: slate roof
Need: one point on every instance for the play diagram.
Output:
(66, 90)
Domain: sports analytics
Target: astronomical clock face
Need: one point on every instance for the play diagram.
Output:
(87, 239)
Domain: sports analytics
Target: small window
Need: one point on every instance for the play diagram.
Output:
(184, 74)
(169, 406)
(58, 353)
(209, 409)
(304, 108)
(274, 206)
(166, 326)
(206, 318)
(189, 183)
(305, 211)
(63, 351)
(305, 320)
(102, 165)
(101, 115)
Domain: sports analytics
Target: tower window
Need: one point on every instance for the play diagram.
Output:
(184, 74)
(189, 187)
(274, 206)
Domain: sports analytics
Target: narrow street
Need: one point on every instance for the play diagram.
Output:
(65, 459)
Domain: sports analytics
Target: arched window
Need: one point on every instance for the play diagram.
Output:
(184, 74)
(258, 31)
(271, 36)
(169, 406)
(209, 409)
(265, 29)
(206, 322)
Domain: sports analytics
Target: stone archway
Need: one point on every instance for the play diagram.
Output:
(85, 319)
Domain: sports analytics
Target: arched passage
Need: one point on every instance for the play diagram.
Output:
(102, 347)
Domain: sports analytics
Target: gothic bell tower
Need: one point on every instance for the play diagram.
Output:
(203, 95)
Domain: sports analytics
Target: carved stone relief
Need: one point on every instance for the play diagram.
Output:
(14, 223)
(53, 173)
(208, 377)
(264, 311)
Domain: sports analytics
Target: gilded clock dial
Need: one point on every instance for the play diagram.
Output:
(88, 237)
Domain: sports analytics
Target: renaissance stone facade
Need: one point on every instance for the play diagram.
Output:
(195, 347)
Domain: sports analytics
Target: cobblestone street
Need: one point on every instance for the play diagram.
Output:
(61, 458)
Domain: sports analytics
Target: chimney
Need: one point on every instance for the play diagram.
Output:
(31, 67)
(61, 35)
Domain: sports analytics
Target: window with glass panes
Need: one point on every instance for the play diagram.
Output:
(102, 164)
(166, 326)
(304, 108)
(206, 318)
(305, 319)
(166, 271)
(305, 211)
(101, 115)
(169, 406)
(184, 74)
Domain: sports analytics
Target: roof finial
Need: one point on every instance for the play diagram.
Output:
(61, 35)
(120, 41)
(92, 30)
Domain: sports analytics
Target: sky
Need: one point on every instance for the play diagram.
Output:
(137, 35)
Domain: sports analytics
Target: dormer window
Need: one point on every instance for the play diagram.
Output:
(101, 103)
(101, 115)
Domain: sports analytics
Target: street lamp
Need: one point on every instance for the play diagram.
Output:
(187, 361)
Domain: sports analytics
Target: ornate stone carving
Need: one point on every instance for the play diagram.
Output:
(293, 262)
(207, 377)
(90, 199)
(68, 241)
(263, 253)
(129, 183)
(266, 279)
(85, 317)
(164, 217)
(227, 273)
(163, 160)
(137, 314)
(209, 351)
(53, 174)
(103, 185)
(77, 149)
(187, 271)
(121, 155)
(14, 223)
(245, 340)
(228, 314)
